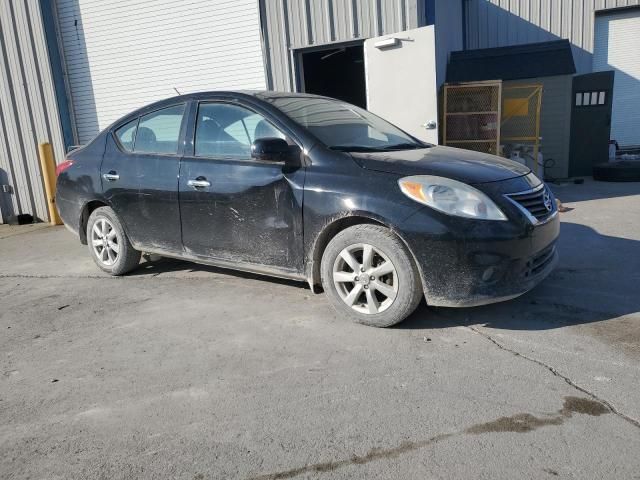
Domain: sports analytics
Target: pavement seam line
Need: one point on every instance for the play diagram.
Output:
(11, 235)
(556, 373)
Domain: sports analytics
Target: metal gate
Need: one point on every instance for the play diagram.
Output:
(520, 124)
(490, 117)
(471, 116)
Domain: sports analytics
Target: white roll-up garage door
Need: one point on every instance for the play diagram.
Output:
(123, 54)
(616, 47)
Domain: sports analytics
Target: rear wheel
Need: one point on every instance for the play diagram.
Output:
(108, 243)
(370, 277)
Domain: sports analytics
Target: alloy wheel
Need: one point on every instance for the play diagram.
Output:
(104, 241)
(365, 279)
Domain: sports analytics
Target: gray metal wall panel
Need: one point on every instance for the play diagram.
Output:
(449, 38)
(28, 108)
(294, 24)
(497, 23)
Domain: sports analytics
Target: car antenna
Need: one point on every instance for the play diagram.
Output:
(177, 91)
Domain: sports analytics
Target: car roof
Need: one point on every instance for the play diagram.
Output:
(261, 94)
(265, 95)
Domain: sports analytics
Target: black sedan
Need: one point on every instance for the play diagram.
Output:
(313, 189)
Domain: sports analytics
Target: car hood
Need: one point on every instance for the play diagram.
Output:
(462, 165)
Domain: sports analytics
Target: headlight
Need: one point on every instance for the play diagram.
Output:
(450, 197)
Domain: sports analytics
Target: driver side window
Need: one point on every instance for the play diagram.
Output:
(229, 130)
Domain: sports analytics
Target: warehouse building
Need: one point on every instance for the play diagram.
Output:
(71, 67)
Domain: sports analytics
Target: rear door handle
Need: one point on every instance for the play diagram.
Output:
(111, 176)
(199, 182)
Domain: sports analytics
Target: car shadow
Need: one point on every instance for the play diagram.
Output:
(595, 280)
(568, 192)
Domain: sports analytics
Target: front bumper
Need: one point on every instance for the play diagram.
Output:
(465, 263)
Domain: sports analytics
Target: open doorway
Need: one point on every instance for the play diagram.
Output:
(336, 72)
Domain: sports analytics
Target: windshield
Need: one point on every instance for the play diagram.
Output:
(345, 127)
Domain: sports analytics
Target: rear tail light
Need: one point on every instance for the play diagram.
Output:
(63, 166)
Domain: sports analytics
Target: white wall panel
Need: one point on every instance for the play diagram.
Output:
(617, 40)
(124, 54)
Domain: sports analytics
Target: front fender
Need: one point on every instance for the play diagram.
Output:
(348, 200)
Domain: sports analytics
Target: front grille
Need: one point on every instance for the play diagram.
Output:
(533, 202)
(539, 262)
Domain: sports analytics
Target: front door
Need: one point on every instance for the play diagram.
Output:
(401, 81)
(234, 208)
(590, 122)
(139, 175)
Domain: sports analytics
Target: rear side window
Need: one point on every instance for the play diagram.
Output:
(127, 135)
(159, 132)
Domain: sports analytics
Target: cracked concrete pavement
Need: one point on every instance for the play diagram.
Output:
(190, 372)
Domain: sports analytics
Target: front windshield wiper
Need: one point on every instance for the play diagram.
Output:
(381, 148)
(355, 148)
(404, 146)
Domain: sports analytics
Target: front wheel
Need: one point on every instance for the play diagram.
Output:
(108, 243)
(370, 277)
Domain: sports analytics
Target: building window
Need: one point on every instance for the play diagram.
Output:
(587, 99)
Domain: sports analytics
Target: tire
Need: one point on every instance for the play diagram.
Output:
(378, 299)
(109, 245)
(617, 172)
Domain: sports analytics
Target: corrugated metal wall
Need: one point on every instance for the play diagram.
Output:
(123, 55)
(497, 23)
(294, 24)
(28, 109)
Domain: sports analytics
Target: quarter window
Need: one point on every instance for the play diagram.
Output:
(159, 132)
(229, 130)
(127, 135)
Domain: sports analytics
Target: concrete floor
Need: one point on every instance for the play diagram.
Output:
(189, 372)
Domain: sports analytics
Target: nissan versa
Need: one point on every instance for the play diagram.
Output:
(310, 188)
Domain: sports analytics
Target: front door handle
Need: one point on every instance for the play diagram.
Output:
(111, 176)
(430, 125)
(199, 182)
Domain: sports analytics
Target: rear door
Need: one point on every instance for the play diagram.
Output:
(401, 81)
(139, 175)
(235, 208)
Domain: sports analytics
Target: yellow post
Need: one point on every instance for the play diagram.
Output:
(49, 176)
(537, 144)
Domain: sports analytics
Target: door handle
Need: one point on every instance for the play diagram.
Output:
(430, 125)
(111, 176)
(199, 182)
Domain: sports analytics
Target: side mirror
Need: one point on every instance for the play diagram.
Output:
(270, 149)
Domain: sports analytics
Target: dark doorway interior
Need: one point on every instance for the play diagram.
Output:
(337, 72)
